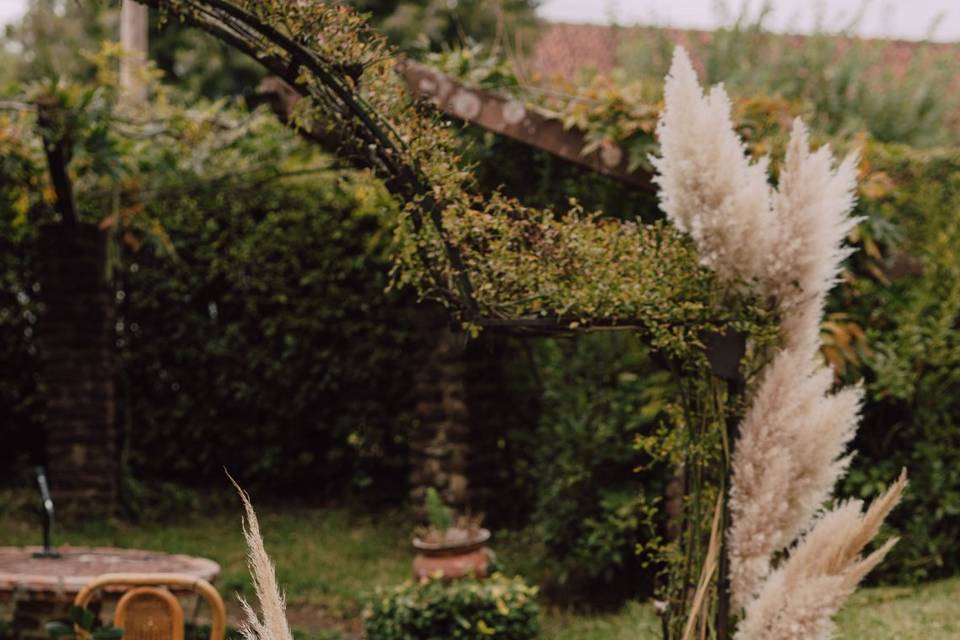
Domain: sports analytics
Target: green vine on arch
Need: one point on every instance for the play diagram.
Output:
(492, 261)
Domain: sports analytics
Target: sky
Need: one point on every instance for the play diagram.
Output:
(908, 19)
(11, 10)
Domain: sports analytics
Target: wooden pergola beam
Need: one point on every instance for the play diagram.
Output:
(488, 110)
(510, 117)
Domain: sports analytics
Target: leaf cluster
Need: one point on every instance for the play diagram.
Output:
(498, 607)
(82, 624)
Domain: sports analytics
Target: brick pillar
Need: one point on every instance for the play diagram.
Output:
(440, 443)
(31, 615)
(76, 336)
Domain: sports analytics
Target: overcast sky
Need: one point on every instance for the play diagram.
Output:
(910, 19)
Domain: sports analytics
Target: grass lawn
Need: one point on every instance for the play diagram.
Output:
(327, 558)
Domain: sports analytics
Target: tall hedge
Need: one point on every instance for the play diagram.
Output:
(268, 344)
(20, 403)
(911, 363)
(254, 326)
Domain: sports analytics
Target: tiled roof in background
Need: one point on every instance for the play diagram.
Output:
(565, 49)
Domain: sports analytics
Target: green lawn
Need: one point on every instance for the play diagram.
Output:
(326, 558)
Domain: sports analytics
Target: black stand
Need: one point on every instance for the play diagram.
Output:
(46, 504)
(725, 351)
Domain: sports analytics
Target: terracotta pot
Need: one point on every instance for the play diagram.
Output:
(452, 561)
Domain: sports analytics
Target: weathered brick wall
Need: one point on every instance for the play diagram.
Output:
(31, 612)
(440, 443)
(76, 336)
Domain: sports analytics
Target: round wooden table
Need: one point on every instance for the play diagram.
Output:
(42, 589)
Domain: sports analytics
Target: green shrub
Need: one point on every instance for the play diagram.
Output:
(911, 366)
(268, 343)
(600, 392)
(253, 327)
(497, 607)
(21, 405)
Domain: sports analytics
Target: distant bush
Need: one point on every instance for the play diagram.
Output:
(21, 405)
(268, 343)
(911, 358)
(497, 607)
(253, 326)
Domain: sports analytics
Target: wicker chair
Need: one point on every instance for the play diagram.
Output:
(148, 609)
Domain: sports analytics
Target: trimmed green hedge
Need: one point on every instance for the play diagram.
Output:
(498, 607)
(254, 327)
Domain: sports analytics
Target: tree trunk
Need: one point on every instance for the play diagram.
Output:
(77, 363)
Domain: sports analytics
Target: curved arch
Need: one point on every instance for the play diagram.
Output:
(356, 102)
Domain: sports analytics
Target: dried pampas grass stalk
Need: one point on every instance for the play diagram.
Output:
(788, 243)
(709, 188)
(273, 624)
(799, 599)
(789, 456)
(698, 609)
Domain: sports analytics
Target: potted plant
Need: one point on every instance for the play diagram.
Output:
(450, 547)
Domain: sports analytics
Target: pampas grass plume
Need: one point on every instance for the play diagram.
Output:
(272, 623)
(788, 243)
(799, 599)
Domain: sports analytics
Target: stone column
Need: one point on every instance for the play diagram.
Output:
(439, 446)
(76, 336)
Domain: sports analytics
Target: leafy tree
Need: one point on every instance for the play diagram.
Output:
(432, 24)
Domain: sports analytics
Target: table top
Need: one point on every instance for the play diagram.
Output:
(76, 566)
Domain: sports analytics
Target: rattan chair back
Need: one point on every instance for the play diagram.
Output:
(149, 608)
(149, 613)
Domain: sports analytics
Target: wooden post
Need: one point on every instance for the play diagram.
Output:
(134, 20)
(511, 118)
(488, 110)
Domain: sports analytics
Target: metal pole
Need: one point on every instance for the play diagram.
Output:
(46, 505)
(735, 390)
(725, 352)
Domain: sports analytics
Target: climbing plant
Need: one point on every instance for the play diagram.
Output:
(493, 261)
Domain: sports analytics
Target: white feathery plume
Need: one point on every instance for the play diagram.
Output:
(799, 599)
(708, 186)
(811, 206)
(791, 450)
(790, 242)
(273, 625)
(787, 460)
